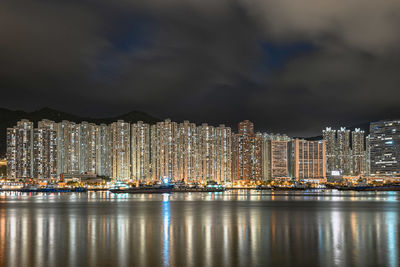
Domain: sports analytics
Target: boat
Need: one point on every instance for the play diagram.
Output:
(369, 188)
(143, 190)
(263, 187)
(29, 188)
(121, 187)
(198, 189)
(210, 187)
(79, 189)
(48, 189)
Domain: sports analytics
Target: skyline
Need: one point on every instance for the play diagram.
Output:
(288, 67)
(189, 152)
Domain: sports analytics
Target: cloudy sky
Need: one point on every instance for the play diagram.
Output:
(289, 66)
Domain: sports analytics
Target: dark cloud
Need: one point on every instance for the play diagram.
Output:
(289, 66)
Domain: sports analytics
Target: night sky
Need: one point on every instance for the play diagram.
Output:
(289, 66)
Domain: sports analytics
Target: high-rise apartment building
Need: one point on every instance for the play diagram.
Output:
(357, 152)
(140, 149)
(20, 150)
(266, 156)
(121, 150)
(280, 159)
(246, 153)
(329, 135)
(309, 160)
(275, 150)
(367, 157)
(87, 148)
(207, 150)
(340, 159)
(385, 148)
(223, 138)
(103, 150)
(45, 150)
(164, 156)
(189, 155)
(343, 151)
(68, 148)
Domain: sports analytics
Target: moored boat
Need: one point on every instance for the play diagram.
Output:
(121, 187)
(49, 189)
(369, 188)
(142, 190)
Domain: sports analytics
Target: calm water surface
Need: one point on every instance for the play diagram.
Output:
(242, 228)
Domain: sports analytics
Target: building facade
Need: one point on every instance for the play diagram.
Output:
(20, 150)
(103, 150)
(223, 138)
(357, 152)
(309, 160)
(329, 136)
(45, 150)
(385, 148)
(120, 150)
(164, 156)
(140, 149)
(246, 153)
(343, 151)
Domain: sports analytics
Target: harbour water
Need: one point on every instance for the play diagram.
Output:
(233, 228)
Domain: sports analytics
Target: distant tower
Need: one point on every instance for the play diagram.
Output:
(357, 152)
(20, 150)
(246, 153)
(120, 141)
(385, 148)
(223, 136)
(103, 150)
(343, 151)
(207, 149)
(164, 156)
(188, 156)
(329, 135)
(87, 147)
(68, 147)
(45, 150)
(140, 151)
(309, 159)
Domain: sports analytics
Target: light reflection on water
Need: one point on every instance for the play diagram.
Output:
(238, 228)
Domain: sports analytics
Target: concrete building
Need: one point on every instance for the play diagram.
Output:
(309, 160)
(357, 152)
(140, 151)
(68, 148)
(120, 150)
(223, 136)
(343, 151)
(246, 153)
(87, 148)
(367, 157)
(207, 151)
(103, 150)
(385, 148)
(279, 159)
(164, 156)
(273, 148)
(20, 150)
(189, 154)
(45, 150)
(329, 135)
